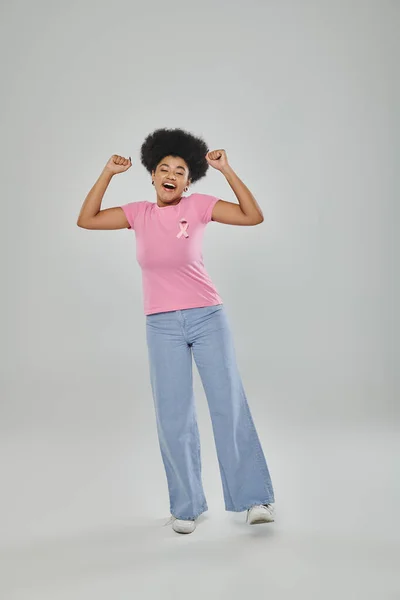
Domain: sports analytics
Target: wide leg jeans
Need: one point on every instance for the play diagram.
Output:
(174, 339)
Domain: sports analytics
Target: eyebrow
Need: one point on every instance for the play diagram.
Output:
(166, 165)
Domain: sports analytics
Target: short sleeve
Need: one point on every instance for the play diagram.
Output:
(204, 204)
(132, 210)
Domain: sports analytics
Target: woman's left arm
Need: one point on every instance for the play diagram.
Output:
(247, 212)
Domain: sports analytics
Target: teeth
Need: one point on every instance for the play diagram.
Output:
(169, 185)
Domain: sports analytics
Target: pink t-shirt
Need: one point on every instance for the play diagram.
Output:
(169, 252)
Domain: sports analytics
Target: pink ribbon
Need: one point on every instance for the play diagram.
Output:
(183, 224)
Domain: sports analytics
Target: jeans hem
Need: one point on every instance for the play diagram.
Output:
(191, 517)
(248, 506)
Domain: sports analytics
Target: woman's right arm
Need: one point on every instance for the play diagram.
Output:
(91, 216)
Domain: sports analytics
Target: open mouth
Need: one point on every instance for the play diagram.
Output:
(169, 187)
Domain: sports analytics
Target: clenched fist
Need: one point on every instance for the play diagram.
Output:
(118, 164)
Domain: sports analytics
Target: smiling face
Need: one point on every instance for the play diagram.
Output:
(170, 177)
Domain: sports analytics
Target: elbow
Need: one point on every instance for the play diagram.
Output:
(87, 222)
(258, 221)
(82, 224)
(253, 220)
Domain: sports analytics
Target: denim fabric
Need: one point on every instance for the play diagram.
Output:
(173, 338)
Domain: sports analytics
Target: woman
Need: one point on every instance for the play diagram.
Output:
(185, 318)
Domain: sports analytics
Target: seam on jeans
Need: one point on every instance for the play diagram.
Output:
(182, 322)
(226, 484)
(259, 452)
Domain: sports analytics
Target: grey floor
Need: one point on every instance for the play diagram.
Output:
(84, 503)
(84, 518)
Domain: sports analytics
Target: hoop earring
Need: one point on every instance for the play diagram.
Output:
(152, 183)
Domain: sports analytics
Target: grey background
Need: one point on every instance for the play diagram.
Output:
(304, 98)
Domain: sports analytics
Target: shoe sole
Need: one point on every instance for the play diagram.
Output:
(260, 521)
(184, 532)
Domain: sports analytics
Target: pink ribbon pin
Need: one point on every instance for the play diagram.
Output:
(183, 224)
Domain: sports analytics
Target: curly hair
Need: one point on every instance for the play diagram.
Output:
(179, 143)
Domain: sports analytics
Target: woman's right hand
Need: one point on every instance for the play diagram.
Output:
(118, 164)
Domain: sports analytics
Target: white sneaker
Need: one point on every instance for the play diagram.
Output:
(261, 513)
(181, 525)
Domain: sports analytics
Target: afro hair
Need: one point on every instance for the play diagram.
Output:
(179, 143)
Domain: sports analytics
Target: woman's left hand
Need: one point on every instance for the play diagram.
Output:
(217, 159)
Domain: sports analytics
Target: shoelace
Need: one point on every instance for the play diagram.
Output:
(267, 507)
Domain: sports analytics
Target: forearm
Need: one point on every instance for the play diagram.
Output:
(247, 202)
(92, 203)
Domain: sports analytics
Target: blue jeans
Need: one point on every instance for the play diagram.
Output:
(204, 333)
